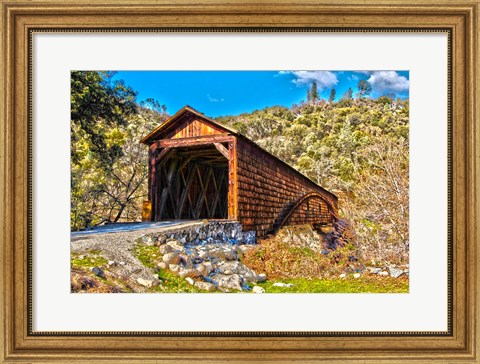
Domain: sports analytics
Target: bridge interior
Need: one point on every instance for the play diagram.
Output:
(192, 184)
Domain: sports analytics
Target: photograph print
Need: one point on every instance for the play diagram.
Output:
(250, 182)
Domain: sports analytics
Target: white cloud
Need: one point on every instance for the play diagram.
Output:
(388, 81)
(353, 78)
(324, 79)
(213, 99)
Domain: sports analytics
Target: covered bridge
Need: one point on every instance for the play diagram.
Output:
(200, 169)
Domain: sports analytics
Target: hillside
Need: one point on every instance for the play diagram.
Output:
(357, 148)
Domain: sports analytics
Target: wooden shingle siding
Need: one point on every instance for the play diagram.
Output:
(267, 186)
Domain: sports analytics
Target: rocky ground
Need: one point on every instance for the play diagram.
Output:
(132, 260)
(213, 256)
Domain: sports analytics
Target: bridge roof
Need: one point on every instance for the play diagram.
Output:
(159, 130)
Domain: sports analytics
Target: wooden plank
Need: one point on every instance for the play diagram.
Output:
(216, 196)
(187, 184)
(190, 126)
(198, 205)
(162, 154)
(184, 163)
(231, 193)
(235, 178)
(167, 189)
(202, 197)
(222, 150)
(152, 182)
(160, 173)
(185, 142)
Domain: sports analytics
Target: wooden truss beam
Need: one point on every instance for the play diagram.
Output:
(167, 189)
(187, 183)
(162, 154)
(188, 142)
(222, 150)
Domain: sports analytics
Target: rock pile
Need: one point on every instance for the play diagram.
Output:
(209, 266)
(207, 256)
(338, 235)
(324, 239)
(392, 271)
(211, 231)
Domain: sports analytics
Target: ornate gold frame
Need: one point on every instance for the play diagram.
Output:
(458, 18)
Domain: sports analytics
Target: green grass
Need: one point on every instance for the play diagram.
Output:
(87, 261)
(148, 255)
(174, 284)
(171, 283)
(365, 284)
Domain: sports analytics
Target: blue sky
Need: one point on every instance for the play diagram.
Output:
(219, 93)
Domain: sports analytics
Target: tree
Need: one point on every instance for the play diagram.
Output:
(124, 188)
(108, 165)
(331, 98)
(97, 104)
(364, 89)
(348, 95)
(116, 193)
(312, 93)
(384, 100)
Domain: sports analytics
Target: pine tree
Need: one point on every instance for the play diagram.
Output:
(333, 93)
(364, 89)
(312, 93)
(348, 95)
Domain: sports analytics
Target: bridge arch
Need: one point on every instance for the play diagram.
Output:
(323, 211)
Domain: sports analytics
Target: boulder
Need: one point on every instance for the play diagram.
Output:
(231, 255)
(258, 289)
(192, 254)
(236, 267)
(280, 284)
(162, 265)
(145, 282)
(171, 258)
(176, 245)
(210, 267)
(233, 281)
(395, 272)
(262, 277)
(174, 268)
(248, 237)
(185, 260)
(165, 249)
(190, 280)
(98, 272)
(202, 268)
(374, 270)
(147, 240)
(205, 286)
(193, 273)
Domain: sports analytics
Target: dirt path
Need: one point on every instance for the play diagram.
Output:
(115, 244)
